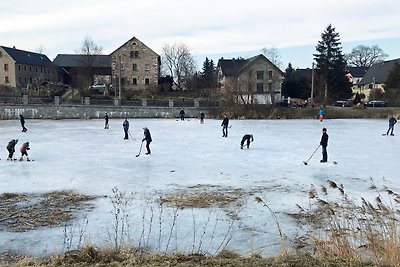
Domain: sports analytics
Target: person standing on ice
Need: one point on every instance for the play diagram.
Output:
(202, 115)
(392, 122)
(24, 151)
(125, 125)
(11, 148)
(321, 114)
(22, 120)
(147, 137)
(224, 125)
(324, 144)
(182, 113)
(106, 121)
(249, 138)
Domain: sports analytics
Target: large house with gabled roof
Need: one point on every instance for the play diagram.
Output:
(376, 77)
(20, 68)
(254, 80)
(135, 66)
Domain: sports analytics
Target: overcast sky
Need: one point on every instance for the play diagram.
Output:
(213, 28)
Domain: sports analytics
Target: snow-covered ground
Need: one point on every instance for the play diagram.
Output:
(81, 155)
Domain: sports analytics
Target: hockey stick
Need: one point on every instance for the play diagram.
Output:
(306, 162)
(140, 150)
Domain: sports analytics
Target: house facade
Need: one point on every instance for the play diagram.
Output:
(375, 78)
(19, 68)
(254, 80)
(135, 67)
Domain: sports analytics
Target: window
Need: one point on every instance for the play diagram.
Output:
(36, 69)
(260, 75)
(6, 67)
(270, 87)
(147, 66)
(20, 79)
(270, 74)
(19, 67)
(134, 54)
(41, 70)
(134, 67)
(260, 87)
(6, 80)
(134, 81)
(147, 81)
(30, 80)
(30, 68)
(24, 68)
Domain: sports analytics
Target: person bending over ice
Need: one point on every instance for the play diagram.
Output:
(11, 148)
(24, 151)
(249, 138)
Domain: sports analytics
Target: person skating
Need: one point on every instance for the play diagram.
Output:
(202, 115)
(11, 148)
(125, 125)
(24, 151)
(321, 114)
(182, 113)
(224, 125)
(247, 137)
(22, 120)
(392, 122)
(147, 137)
(106, 121)
(324, 144)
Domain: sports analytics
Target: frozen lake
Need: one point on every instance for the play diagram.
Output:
(81, 155)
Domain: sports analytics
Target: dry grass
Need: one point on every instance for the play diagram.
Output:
(25, 212)
(90, 256)
(339, 228)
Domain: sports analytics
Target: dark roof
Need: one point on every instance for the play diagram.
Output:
(379, 71)
(99, 61)
(28, 58)
(233, 67)
(358, 71)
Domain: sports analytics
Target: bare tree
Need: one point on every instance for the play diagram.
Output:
(40, 50)
(365, 56)
(88, 51)
(178, 63)
(273, 55)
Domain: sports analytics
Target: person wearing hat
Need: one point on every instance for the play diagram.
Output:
(24, 151)
(147, 137)
(324, 144)
(11, 148)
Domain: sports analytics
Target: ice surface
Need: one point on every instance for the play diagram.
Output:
(81, 155)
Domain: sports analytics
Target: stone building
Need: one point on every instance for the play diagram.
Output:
(135, 67)
(255, 80)
(19, 68)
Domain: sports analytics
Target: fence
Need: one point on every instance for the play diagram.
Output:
(87, 101)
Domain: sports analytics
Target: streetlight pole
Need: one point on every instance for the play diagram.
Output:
(312, 83)
(373, 92)
(119, 79)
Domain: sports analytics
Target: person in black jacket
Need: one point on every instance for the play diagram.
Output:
(182, 113)
(147, 137)
(106, 126)
(249, 138)
(22, 120)
(202, 115)
(125, 125)
(224, 125)
(11, 148)
(324, 144)
(392, 122)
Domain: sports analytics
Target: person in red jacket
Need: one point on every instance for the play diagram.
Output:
(24, 151)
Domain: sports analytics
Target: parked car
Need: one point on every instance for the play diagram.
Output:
(343, 103)
(100, 87)
(376, 103)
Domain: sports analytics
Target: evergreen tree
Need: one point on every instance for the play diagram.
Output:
(392, 86)
(209, 76)
(331, 66)
(295, 84)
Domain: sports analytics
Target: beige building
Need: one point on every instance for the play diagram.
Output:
(254, 80)
(135, 66)
(19, 68)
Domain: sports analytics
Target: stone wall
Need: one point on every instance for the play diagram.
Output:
(95, 112)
